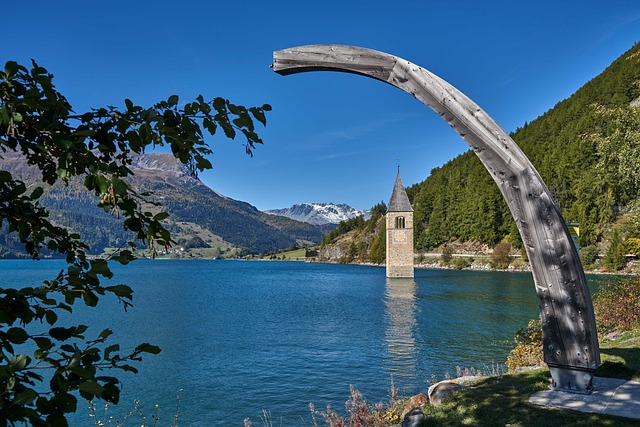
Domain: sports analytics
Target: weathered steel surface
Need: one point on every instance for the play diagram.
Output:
(568, 324)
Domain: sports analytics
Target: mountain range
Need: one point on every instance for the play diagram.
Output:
(201, 220)
(320, 213)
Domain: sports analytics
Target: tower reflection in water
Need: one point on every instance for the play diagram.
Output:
(400, 312)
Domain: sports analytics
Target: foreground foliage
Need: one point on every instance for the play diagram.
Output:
(44, 365)
(528, 347)
(361, 412)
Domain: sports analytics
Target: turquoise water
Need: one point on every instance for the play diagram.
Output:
(239, 337)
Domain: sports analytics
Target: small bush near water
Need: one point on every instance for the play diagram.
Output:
(528, 348)
(617, 305)
(501, 256)
(361, 413)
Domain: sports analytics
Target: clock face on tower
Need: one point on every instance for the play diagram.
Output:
(399, 236)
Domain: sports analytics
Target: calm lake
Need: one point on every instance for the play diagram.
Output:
(238, 336)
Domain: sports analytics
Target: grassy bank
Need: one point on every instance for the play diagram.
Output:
(504, 400)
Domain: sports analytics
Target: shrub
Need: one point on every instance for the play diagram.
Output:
(589, 256)
(528, 348)
(192, 242)
(615, 257)
(361, 413)
(447, 254)
(617, 305)
(460, 263)
(501, 257)
(633, 246)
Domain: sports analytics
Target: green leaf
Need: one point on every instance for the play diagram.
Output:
(124, 257)
(203, 163)
(61, 334)
(101, 267)
(160, 216)
(19, 361)
(173, 100)
(51, 317)
(148, 348)
(68, 348)
(17, 335)
(90, 299)
(110, 349)
(209, 125)
(220, 105)
(25, 398)
(4, 115)
(128, 368)
(11, 68)
(105, 334)
(259, 115)
(123, 291)
(111, 393)
(65, 401)
(91, 387)
(101, 183)
(233, 108)
(43, 343)
(229, 132)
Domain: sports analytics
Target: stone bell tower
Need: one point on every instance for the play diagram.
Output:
(399, 232)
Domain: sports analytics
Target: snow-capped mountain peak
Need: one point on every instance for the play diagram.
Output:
(319, 213)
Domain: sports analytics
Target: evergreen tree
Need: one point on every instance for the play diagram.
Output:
(378, 251)
(615, 257)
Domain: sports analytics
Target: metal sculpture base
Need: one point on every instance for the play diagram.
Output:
(572, 380)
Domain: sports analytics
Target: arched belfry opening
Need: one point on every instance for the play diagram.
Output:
(568, 323)
(399, 221)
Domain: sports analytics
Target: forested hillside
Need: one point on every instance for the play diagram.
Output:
(587, 150)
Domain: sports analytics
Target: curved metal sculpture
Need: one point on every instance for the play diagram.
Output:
(568, 323)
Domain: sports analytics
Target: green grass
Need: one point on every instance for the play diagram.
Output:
(621, 357)
(504, 401)
(297, 254)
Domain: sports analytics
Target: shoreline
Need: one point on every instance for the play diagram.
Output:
(522, 267)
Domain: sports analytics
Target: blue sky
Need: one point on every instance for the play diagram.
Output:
(331, 137)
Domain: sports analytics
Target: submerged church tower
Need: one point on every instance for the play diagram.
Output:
(399, 232)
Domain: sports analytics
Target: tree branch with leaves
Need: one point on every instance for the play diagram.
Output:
(39, 386)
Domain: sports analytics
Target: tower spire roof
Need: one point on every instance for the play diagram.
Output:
(399, 201)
